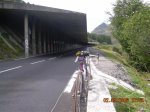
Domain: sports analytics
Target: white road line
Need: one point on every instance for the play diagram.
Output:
(10, 69)
(37, 62)
(51, 58)
(71, 82)
(66, 89)
(57, 101)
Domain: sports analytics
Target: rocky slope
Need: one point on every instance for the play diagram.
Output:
(102, 29)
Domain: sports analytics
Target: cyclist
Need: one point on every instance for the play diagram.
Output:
(98, 55)
(81, 59)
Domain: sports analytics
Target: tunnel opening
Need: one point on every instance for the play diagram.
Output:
(43, 30)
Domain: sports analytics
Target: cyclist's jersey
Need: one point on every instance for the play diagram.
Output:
(81, 59)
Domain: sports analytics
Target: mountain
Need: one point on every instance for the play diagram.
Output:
(105, 29)
(102, 29)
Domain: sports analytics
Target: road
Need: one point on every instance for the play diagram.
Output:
(34, 84)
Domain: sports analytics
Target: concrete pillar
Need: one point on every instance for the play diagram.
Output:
(47, 43)
(33, 39)
(50, 37)
(62, 46)
(49, 47)
(53, 36)
(39, 38)
(26, 35)
(44, 40)
(52, 42)
(59, 47)
(54, 45)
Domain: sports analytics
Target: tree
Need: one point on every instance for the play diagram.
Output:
(104, 39)
(123, 10)
(137, 30)
(99, 38)
(131, 26)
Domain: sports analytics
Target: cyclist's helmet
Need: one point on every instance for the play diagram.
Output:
(78, 53)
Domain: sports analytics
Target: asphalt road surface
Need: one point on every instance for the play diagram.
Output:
(34, 84)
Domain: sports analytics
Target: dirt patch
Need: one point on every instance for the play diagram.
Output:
(111, 68)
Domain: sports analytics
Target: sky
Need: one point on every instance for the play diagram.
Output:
(96, 10)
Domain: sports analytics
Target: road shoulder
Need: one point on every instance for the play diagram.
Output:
(98, 91)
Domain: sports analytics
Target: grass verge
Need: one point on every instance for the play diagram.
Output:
(134, 103)
(7, 53)
(138, 78)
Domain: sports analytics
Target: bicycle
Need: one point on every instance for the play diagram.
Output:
(79, 95)
(80, 86)
(84, 79)
(78, 90)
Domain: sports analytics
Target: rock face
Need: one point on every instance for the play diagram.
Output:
(102, 29)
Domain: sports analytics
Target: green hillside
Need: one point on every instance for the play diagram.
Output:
(8, 49)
